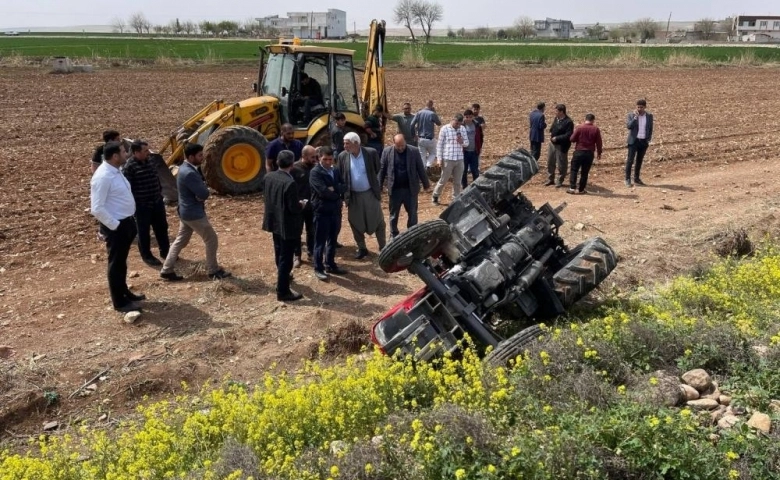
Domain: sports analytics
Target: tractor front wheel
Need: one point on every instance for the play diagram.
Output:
(234, 160)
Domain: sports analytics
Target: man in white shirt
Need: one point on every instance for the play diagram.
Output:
(453, 138)
(113, 205)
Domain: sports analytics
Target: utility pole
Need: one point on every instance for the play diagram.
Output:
(668, 22)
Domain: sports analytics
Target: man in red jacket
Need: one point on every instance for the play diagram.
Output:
(587, 137)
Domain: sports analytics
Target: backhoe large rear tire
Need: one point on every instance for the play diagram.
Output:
(234, 160)
(513, 346)
(589, 264)
(506, 176)
(417, 243)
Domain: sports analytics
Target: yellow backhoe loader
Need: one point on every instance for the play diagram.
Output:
(234, 136)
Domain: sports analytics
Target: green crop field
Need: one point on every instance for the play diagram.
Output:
(216, 50)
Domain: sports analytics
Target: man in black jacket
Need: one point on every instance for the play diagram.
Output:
(283, 217)
(558, 152)
(327, 190)
(300, 173)
(402, 166)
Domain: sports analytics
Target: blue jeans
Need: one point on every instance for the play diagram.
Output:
(470, 163)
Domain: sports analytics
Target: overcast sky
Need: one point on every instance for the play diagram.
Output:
(457, 13)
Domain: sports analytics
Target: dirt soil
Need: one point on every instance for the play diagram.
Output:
(712, 168)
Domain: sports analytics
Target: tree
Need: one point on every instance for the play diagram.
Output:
(426, 14)
(138, 22)
(706, 26)
(462, 32)
(119, 25)
(645, 28)
(158, 29)
(524, 27)
(450, 32)
(595, 32)
(227, 27)
(616, 34)
(501, 34)
(189, 27)
(483, 32)
(403, 14)
(207, 28)
(629, 30)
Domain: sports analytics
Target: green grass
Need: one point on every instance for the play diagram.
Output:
(246, 50)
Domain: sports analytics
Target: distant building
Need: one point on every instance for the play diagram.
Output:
(309, 25)
(761, 28)
(552, 28)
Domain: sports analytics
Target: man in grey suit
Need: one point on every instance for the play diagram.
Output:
(402, 166)
(640, 132)
(359, 169)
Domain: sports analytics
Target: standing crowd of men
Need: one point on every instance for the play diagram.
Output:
(306, 188)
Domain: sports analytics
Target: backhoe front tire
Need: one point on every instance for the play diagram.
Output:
(417, 243)
(234, 160)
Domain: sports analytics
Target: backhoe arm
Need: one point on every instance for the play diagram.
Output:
(374, 91)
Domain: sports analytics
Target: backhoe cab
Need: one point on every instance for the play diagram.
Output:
(297, 84)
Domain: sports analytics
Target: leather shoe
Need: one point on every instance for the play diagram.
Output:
(171, 277)
(571, 191)
(338, 245)
(549, 183)
(296, 262)
(336, 271)
(639, 182)
(129, 307)
(361, 254)
(220, 274)
(135, 298)
(628, 183)
(321, 275)
(290, 296)
(152, 261)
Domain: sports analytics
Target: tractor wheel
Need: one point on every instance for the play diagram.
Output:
(588, 265)
(417, 243)
(513, 346)
(234, 160)
(506, 176)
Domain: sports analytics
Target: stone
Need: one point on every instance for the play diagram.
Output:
(760, 421)
(131, 317)
(702, 404)
(714, 437)
(133, 274)
(48, 426)
(727, 421)
(715, 395)
(724, 400)
(698, 379)
(716, 415)
(579, 226)
(377, 440)
(774, 405)
(337, 446)
(689, 392)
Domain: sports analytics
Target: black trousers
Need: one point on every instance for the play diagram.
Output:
(326, 228)
(635, 152)
(118, 243)
(283, 254)
(153, 216)
(308, 223)
(581, 162)
(536, 149)
(402, 197)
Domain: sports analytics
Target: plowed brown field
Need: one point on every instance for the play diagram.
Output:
(713, 166)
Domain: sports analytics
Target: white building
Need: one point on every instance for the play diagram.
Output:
(553, 28)
(757, 28)
(314, 25)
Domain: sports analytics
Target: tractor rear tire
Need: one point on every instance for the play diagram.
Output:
(234, 160)
(588, 265)
(417, 243)
(507, 175)
(515, 345)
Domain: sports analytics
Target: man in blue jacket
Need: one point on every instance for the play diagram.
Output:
(193, 193)
(640, 132)
(538, 126)
(327, 192)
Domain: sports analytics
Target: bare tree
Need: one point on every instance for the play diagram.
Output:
(158, 29)
(524, 27)
(595, 32)
(148, 27)
(403, 14)
(616, 34)
(189, 27)
(207, 28)
(137, 22)
(646, 28)
(426, 14)
(629, 30)
(483, 32)
(118, 24)
(706, 26)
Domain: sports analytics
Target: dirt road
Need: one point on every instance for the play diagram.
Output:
(713, 167)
